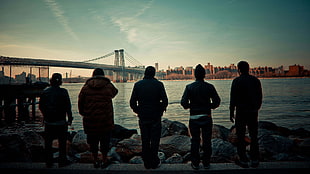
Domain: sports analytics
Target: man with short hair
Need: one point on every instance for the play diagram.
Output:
(149, 100)
(200, 97)
(55, 105)
(246, 98)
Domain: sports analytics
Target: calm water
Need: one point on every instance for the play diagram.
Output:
(286, 102)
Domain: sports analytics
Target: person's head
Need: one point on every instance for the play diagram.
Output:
(149, 72)
(56, 79)
(98, 72)
(200, 72)
(243, 67)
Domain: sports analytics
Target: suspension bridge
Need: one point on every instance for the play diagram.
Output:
(118, 71)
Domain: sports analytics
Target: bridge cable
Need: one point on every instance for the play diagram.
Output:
(133, 60)
(107, 55)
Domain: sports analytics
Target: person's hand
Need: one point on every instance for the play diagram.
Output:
(232, 117)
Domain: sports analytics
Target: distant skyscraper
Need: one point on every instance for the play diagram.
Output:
(156, 67)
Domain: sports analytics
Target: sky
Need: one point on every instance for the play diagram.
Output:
(169, 32)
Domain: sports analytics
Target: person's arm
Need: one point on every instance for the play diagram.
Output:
(68, 108)
(81, 101)
(114, 90)
(164, 97)
(133, 100)
(216, 100)
(185, 99)
(232, 104)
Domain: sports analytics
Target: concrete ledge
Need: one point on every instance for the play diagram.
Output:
(219, 168)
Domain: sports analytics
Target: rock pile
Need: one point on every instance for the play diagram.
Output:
(26, 144)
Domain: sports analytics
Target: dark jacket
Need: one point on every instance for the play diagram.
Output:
(246, 94)
(95, 105)
(55, 105)
(200, 97)
(149, 99)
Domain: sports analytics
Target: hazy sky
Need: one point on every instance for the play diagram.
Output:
(170, 32)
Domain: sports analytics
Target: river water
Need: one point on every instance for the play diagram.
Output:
(286, 102)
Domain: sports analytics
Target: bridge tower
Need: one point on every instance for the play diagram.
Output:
(119, 61)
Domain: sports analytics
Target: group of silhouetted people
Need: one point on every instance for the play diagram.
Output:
(149, 101)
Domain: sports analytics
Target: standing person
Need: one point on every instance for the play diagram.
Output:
(96, 107)
(246, 98)
(55, 105)
(200, 97)
(149, 100)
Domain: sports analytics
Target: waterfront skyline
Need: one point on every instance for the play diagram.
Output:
(169, 32)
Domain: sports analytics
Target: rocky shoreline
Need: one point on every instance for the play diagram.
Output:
(25, 143)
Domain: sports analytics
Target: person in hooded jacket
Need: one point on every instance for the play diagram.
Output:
(96, 107)
(149, 100)
(55, 105)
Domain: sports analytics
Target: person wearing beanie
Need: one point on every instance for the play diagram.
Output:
(149, 100)
(55, 105)
(246, 98)
(200, 97)
(96, 107)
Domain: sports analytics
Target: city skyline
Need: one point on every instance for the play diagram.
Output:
(171, 32)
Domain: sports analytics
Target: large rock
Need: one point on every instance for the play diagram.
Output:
(219, 131)
(173, 128)
(275, 144)
(129, 148)
(13, 149)
(174, 159)
(222, 151)
(180, 144)
(79, 142)
(121, 132)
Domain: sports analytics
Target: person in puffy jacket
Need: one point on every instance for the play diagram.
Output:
(55, 106)
(149, 100)
(200, 97)
(96, 107)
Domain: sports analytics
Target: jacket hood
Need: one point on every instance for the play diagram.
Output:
(97, 82)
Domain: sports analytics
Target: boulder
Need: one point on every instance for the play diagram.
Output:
(275, 144)
(219, 131)
(121, 132)
(173, 128)
(174, 159)
(136, 160)
(222, 151)
(13, 149)
(180, 144)
(79, 142)
(129, 148)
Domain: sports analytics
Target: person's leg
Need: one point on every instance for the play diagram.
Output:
(62, 139)
(195, 142)
(155, 139)
(253, 132)
(104, 148)
(93, 142)
(48, 137)
(206, 137)
(146, 138)
(241, 123)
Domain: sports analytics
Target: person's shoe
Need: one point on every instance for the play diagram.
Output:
(157, 166)
(195, 166)
(49, 165)
(96, 164)
(147, 165)
(242, 164)
(105, 164)
(254, 163)
(64, 164)
(206, 166)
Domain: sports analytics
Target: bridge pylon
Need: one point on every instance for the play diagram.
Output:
(119, 61)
